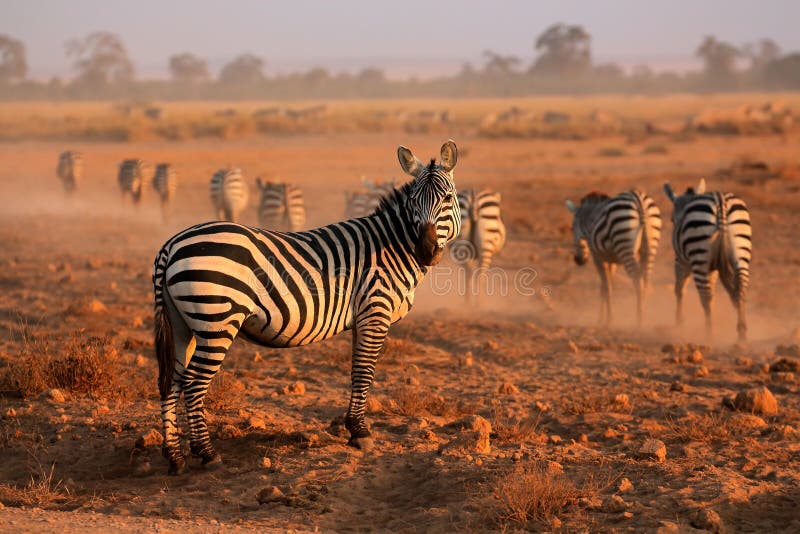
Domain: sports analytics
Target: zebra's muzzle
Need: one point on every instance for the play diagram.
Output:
(428, 251)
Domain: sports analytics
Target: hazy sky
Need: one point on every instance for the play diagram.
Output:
(412, 35)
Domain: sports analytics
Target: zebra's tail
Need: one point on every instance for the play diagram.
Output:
(650, 234)
(165, 347)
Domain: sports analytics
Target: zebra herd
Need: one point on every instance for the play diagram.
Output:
(219, 280)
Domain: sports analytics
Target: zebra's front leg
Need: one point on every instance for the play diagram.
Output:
(368, 339)
(638, 284)
(681, 277)
(704, 281)
(605, 291)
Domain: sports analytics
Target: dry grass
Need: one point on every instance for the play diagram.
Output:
(512, 429)
(579, 405)
(409, 400)
(611, 152)
(86, 365)
(707, 428)
(41, 489)
(225, 392)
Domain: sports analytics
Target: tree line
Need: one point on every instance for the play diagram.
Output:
(564, 64)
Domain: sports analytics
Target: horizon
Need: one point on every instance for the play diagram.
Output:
(663, 36)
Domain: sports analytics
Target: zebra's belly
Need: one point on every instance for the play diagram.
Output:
(257, 331)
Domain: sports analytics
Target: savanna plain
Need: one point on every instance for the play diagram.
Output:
(511, 411)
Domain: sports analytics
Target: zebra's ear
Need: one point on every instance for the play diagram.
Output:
(571, 206)
(701, 186)
(669, 192)
(449, 155)
(409, 162)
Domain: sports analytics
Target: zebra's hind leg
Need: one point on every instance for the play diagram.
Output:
(206, 361)
(735, 286)
(681, 277)
(368, 339)
(605, 271)
(704, 281)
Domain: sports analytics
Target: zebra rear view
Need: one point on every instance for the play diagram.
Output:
(165, 183)
(215, 281)
(130, 179)
(281, 207)
(712, 238)
(70, 170)
(229, 194)
(624, 229)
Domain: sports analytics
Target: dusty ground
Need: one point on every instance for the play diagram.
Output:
(554, 386)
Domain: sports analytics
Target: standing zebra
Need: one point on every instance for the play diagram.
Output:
(228, 194)
(216, 280)
(165, 183)
(624, 229)
(281, 206)
(70, 170)
(130, 179)
(712, 238)
(366, 200)
(483, 234)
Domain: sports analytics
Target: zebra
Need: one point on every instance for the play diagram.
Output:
(366, 200)
(229, 194)
(281, 207)
(165, 183)
(712, 238)
(624, 229)
(483, 233)
(215, 280)
(70, 170)
(130, 178)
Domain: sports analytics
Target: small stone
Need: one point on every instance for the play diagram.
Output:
(555, 439)
(266, 463)
(466, 443)
(427, 435)
(695, 356)
(152, 438)
(669, 348)
(474, 423)
(412, 381)
(613, 504)
(54, 395)
(271, 494)
(583, 438)
(11, 412)
(610, 433)
(555, 523)
(624, 486)
(780, 376)
(257, 357)
(678, 386)
(785, 365)
(507, 388)
(137, 322)
(229, 432)
(295, 388)
(257, 422)
(573, 347)
(140, 361)
(95, 306)
(756, 400)
(653, 449)
(701, 371)
(467, 360)
(491, 345)
(707, 519)
(744, 362)
(374, 405)
(622, 399)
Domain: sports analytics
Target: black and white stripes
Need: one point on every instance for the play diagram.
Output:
(216, 280)
(712, 237)
(165, 184)
(624, 229)
(131, 178)
(229, 194)
(281, 206)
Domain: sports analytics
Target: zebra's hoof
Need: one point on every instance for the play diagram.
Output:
(365, 444)
(178, 467)
(212, 462)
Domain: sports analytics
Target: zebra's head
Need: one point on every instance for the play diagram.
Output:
(580, 223)
(679, 201)
(431, 203)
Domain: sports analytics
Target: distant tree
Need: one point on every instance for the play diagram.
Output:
(719, 60)
(100, 58)
(242, 70)
(783, 73)
(563, 50)
(317, 77)
(13, 64)
(371, 75)
(499, 65)
(188, 68)
(761, 53)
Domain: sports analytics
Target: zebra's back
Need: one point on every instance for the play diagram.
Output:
(70, 169)
(131, 177)
(229, 193)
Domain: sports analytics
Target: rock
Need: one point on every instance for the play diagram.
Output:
(695, 356)
(271, 494)
(467, 443)
(677, 386)
(624, 485)
(785, 365)
(467, 360)
(669, 348)
(474, 423)
(257, 357)
(491, 345)
(622, 399)
(412, 381)
(613, 504)
(95, 306)
(229, 432)
(266, 463)
(668, 527)
(54, 395)
(374, 405)
(295, 388)
(744, 362)
(707, 519)
(137, 322)
(555, 439)
(786, 377)
(151, 438)
(756, 400)
(701, 371)
(140, 361)
(653, 449)
(257, 422)
(427, 435)
(573, 347)
(11, 412)
(507, 388)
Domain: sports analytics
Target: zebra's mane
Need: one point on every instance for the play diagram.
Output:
(394, 199)
(594, 196)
